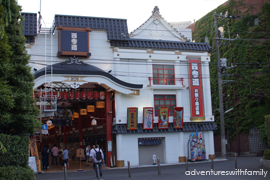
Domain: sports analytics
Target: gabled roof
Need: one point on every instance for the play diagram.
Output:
(156, 16)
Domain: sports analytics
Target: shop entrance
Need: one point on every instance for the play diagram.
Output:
(80, 120)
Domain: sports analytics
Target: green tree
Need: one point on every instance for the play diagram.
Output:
(19, 113)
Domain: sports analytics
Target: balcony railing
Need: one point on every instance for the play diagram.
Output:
(164, 81)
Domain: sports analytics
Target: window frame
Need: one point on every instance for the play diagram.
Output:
(165, 105)
(158, 81)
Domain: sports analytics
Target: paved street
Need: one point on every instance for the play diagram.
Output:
(171, 171)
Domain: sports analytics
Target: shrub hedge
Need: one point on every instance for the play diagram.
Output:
(266, 154)
(17, 150)
(16, 173)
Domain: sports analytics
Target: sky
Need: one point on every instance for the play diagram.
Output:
(135, 11)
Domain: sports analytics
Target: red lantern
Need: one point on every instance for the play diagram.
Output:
(58, 94)
(102, 95)
(71, 95)
(77, 95)
(51, 94)
(37, 94)
(64, 95)
(84, 95)
(96, 95)
(90, 95)
(44, 94)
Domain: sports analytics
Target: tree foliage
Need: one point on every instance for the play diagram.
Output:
(249, 93)
(17, 111)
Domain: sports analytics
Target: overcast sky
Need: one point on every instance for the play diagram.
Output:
(135, 11)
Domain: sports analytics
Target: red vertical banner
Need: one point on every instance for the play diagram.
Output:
(178, 117)
(148, 118)
(163, 118)
(132, 118)
(196, 93)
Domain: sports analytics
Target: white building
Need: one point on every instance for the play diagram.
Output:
(90, 62)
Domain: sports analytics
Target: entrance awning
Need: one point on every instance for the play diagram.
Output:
(74, 73)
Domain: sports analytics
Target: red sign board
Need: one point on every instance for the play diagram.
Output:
(178, 117)
(132, 118)
(196, 93)
(163, 118)
(148, 118)
(58, 94)
(96, 95)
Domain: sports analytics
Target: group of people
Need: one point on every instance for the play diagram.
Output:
(96, 155)
(55, 154)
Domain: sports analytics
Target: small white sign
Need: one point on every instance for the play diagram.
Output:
(32, 163)
(109, 146)
(44, 131)
(154, 157)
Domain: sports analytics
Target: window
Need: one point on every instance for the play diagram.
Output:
(165, 101)
(163, 74)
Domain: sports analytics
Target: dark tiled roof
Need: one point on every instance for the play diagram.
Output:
(72, 67)
(29, 26)
(116, 28)
(159, 44)
(188, 127)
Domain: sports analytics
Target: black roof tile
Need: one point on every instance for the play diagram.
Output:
(116, 28)
(29, 24)
(188, 127)
(159, 44)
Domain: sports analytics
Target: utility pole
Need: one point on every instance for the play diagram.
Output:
(220, 93)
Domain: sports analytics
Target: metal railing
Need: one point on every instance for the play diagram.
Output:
(164, 81)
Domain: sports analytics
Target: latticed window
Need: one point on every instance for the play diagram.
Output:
(168, 101)
(163, 75)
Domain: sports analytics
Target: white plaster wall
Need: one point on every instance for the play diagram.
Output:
(99, 47)
(173, 146)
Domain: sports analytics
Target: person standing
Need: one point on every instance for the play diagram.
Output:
(44, 158)
(87, 150)
(92, 151)
(54, 154)
(65, 157)
(60, 151)
(98, 158)
(48, 154)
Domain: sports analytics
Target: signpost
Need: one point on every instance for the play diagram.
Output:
(44, 126)
(80, 154)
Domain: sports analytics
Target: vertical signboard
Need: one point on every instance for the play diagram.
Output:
(197, 146)
(132, 118)
(196, 94)
(163, 118)
(148, 118)
(34, 151)
(178, 120)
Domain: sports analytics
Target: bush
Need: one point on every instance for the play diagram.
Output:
(267, 128)
(266, 154)
(17, 150)
(16, 173)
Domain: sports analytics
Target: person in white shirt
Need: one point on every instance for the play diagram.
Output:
(95, 157)
(92, 151)
(87, 150)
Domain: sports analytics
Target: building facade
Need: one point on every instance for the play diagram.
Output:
(140, 95)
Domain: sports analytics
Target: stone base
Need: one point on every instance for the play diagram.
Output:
(120, 163)
(210, 156)
(182, 158)
(265, 163)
